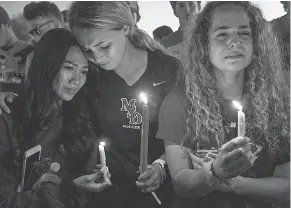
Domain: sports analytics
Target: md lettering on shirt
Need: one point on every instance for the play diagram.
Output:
(134, 117)
(232, 125)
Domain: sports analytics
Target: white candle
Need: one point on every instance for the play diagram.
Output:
(102, 155)
(144, 134)
(240, 120)
(144, 139)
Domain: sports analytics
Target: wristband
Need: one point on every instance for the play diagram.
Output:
(162, 163)
(210, 178)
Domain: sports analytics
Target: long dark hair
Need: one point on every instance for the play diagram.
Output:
(39, 105)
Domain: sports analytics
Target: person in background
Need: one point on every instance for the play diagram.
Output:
(182, 10)
(134, 8)
(232, 54)
(13, 52)
(161, 32)
(65, 14)
(129, 62)
(52, 113)
(41, 17)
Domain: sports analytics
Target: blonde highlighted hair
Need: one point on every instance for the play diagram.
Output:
(112, 15)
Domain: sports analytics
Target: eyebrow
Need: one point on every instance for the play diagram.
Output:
(227, 27)
(69, 62)
(95, 45)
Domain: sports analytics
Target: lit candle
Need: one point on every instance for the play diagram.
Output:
(144, 134)
(144, 139)
(102, 155)
(240, 119)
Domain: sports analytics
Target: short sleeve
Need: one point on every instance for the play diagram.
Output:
(172, 118)
(171, 70)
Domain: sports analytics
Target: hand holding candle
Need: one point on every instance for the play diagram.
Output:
(144, 139)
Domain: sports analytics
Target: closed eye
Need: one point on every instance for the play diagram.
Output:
(85, 72)
(70, 68)
(245, 34)
(221, 35)
(104, 46)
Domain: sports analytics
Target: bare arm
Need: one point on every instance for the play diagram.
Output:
(187, 182)
(272, 189)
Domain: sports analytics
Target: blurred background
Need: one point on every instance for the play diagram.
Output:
(153, 14)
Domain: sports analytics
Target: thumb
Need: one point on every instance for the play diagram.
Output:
(196, 159)
(11, 97)
(93, 177)
(107, 180)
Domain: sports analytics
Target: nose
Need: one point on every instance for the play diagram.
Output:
(94, 56)
(76, 78)
(234, 40)
(187, 8)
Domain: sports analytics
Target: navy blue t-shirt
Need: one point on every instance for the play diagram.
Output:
(119, 111)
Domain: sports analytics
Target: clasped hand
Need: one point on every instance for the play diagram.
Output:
(150, 180)
(232, 160)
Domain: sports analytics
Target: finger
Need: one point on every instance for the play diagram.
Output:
(97, 187)
(143, 185)
(146, 174)
(246, 147)
(212, 155)
(234, 143)
(107, 180)
(196, 166)
(93, 177)
(11, 97)
(152, 181)
(107, 174)
(4, 107)
(233, 155)
(196, 159)
(0, 111)
(151, 189)
(248, 157)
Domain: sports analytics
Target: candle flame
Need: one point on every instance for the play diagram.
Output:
(143, 97)
(102, 143)
(237, 105)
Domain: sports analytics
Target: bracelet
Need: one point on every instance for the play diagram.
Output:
(210, 178)
(47, 178)
(162, 163)
(213, 171)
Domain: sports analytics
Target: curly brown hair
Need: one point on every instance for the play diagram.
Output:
(264, 82)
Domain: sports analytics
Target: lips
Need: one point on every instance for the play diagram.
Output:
(70, 90)
(234, 55)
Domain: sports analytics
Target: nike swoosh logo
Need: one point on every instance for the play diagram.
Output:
(158, 83)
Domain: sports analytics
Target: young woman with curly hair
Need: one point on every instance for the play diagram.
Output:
(232, 54)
